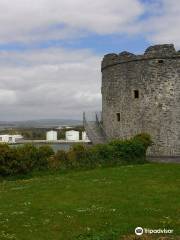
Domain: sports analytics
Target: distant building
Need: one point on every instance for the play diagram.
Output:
(64, 127)
(51, 136)
(72, 135)
(85, 136)
(6, 138)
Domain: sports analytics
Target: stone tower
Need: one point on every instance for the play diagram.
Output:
(141, 93)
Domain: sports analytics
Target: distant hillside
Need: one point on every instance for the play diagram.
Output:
(44, 123)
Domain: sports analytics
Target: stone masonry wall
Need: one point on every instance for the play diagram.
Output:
(156, 77)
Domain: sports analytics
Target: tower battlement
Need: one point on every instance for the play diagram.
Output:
(162, 51)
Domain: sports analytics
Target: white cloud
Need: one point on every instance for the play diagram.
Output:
(49, 83)
(7, 97)
(163, 24)
(62, 83)
(26, 21)
(38, 20)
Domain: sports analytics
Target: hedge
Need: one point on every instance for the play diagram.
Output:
(26, 158)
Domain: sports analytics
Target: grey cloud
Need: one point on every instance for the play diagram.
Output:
(27, 21)
(36, 20)
(56, 83)
(162, 26)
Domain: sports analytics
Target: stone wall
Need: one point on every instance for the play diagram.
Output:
(144, 92)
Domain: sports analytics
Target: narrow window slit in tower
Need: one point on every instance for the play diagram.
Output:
(136, 94)
(160, 61)
(118, 117)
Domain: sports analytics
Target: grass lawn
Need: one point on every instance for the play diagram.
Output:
(98, 204)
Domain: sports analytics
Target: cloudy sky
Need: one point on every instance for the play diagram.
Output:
(51, 50)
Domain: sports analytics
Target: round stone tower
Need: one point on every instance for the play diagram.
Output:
(141, 93)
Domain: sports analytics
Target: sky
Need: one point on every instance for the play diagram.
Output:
(51, 50)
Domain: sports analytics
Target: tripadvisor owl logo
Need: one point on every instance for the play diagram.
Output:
(139, 231)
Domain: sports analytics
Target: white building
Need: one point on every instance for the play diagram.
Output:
(64, 127)
(6, 138)
(72, 135)
(51, 136)
(85, 136)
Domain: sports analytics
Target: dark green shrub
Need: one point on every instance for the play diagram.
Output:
(116, 152)
(59, 161)
(44, 154)
(28, 157)
(144, 138)
(23, 159)
(31, 157)
(132, 150)
(78, 156)
(8, 159)
(102, 155)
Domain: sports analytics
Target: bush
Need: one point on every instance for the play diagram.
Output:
(144, 138)
(8, 159)
(59, 161)
(44, 154)
(103, 155)
(78, 156)
(128, 151)
(23, 159)
(26, 158)
(116, 152)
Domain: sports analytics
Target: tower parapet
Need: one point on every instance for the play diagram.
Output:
(165, 50)
(153, 52)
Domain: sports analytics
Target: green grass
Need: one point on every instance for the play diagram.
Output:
(104, 203)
